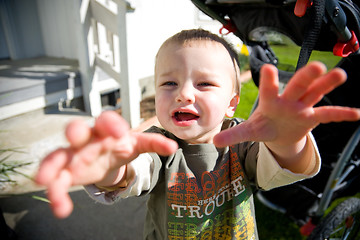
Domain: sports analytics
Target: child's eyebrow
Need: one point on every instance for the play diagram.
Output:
(207, 73)
(166, 74)
(197, 73)
(170, 72)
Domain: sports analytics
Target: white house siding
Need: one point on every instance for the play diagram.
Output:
(57, 28)
(152, 22)
(21, 28)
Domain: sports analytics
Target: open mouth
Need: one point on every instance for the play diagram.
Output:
(185, 116)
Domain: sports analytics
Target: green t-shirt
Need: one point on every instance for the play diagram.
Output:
(202, 192)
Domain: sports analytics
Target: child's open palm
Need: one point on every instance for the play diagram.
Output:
(284, 119)
(93, 154)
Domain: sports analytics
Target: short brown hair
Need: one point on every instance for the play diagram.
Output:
(186, 36)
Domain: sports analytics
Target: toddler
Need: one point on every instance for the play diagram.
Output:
(200, 167)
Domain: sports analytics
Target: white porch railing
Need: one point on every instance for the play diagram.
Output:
(102, 43)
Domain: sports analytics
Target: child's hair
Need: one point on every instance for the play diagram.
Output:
(187, 36)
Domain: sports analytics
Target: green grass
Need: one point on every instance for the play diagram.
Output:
(288, 55)
(10, 168)
(248, 95)
(273, 225)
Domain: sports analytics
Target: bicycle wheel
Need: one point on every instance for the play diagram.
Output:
(343, 222)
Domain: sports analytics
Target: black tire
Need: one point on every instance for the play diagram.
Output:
(335, 221)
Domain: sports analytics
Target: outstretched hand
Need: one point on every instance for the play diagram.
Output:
(92, 155)
(285, 119)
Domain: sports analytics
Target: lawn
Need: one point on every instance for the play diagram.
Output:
(288, 55)
(273, 225)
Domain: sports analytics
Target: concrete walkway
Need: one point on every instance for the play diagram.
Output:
(32, 219)
(33, 135)
(36, 134)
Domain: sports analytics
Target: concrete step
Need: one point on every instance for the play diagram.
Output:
(29, 84)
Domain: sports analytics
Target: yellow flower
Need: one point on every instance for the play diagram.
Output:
(244, 50)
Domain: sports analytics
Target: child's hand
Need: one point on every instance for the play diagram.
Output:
(284, 120)
(93, 154)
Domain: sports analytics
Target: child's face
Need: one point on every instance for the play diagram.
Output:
(194, 89)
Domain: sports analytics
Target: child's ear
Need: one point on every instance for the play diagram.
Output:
(232, 106)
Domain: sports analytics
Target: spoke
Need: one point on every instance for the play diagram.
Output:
(345, 229)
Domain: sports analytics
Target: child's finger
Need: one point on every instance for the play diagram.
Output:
(323, 85)
(232, 136)
(152, 142)
(110, 123)
(302, 79)
(269, 83)
(58, 195)
(52, 165)
(78, 133)
(252, 130)
(336, 114)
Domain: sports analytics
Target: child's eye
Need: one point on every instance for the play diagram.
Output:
(169, 83)
(205, 84)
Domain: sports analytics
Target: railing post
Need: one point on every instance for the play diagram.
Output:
(83, 30)
(129, 88)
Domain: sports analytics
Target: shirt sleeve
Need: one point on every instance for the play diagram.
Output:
(271, 175)
(139, 174)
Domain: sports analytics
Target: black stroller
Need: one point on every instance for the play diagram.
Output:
(324, 25)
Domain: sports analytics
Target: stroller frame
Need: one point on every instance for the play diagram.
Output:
(317, 226)
(340, 172)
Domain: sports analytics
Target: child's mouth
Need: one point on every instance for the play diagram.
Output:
(185, 116)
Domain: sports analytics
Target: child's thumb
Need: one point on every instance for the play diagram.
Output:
(234, 135)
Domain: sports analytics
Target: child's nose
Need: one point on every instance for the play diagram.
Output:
(186, 94)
